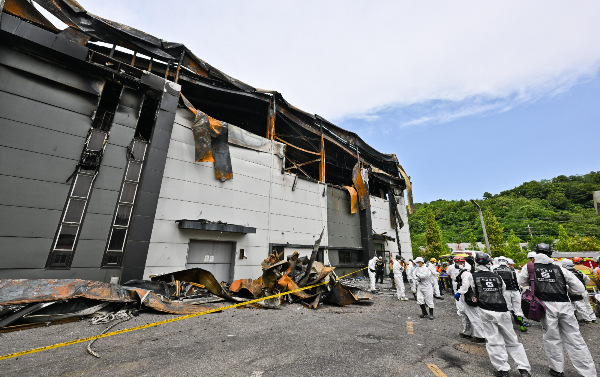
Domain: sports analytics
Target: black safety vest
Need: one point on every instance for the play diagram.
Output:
(470, 296)
(488, 287)
(550, 284)
(579, 276)
(509, 277)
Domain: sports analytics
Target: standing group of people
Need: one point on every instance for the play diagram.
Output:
(488, 299)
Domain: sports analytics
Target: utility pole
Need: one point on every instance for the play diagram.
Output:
(529, 229)
(487, 243)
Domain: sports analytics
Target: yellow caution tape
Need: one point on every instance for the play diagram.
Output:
(58, 345)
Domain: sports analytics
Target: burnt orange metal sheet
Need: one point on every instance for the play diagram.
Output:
(285, 284)
(197, 275)
(161, 304)
(23, 291)
(353, 199)
(25, 9)
(361, 188)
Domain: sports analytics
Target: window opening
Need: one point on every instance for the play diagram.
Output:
(82, 179)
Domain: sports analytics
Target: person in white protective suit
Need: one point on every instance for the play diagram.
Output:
(467, 309)
(497, 327)
(512, 293)
(553, 284)
(371, 268)
(409, 275)
(398, 269)
(581, 303)
(422, 275)
(434, 278)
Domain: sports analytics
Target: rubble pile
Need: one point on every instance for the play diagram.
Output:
(32, 303)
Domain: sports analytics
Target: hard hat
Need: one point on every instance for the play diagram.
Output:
(502, 260)
(459, 259)
(531, 254)
(482, 258)
(567, 262)
(419, 259)
(398, 257)
(510, 261)
(433, 260)
(578, 260)
(379, 257)
(543, 248)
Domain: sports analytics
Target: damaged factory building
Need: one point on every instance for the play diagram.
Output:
(124, 157)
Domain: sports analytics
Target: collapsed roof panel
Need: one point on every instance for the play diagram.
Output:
(316, 148)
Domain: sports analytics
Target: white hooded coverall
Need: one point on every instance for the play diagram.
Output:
(422, 276)
(434, 279)
(583, 307)
(500, 336)
(397, 270)
(410, 268)
(469, 314)
(561, 327)
(372, 272)
(513, 299)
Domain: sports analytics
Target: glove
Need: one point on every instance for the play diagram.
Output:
(373, 271)
(457, 296)
(419, 280)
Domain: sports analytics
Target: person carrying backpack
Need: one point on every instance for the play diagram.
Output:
(552, 286)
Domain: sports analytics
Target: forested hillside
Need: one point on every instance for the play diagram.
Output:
(535, 211)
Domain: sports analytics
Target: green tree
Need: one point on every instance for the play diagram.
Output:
(473, 243)
(513, 250)
(494, 233)
(540, 239)
(584, 244)
(565, 242)
(433, 238)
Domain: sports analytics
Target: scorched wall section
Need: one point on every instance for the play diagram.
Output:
(282, 208)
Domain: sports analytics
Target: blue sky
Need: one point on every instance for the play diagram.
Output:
(472, 96)
(463, 158)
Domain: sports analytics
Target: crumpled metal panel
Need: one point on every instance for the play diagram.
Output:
(353, 199)
(196, 275)
(24, 9)
(211, 142)
(163, 304)
(340, 295)
(361, 188)
(411, 204)
(23, 291)
(285, 284)
(75, 35)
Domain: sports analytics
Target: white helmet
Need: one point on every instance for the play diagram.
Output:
(419, 259)
(510, 261)
(502, 261)
(531, 254)
(567, 262)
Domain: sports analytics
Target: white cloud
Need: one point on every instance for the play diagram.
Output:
(349, 59)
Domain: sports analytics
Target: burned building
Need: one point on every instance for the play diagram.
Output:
(124, 156)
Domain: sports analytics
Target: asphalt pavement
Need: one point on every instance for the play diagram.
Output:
(381, 337)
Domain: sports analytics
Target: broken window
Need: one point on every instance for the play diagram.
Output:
(83, 178)
(120, 225)
(136, 152)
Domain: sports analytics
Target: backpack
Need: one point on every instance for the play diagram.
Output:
(533, 308)
(470, 297)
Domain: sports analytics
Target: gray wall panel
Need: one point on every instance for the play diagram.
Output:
(115, 156)
(42, 90)
(23, 192)
(29, 63)
(131, 98)
(343, 227)
(103, 201)
(89, 253)
(28, 222)
(96, 274)
(36, 139)
(109, 178)
(17, 252)
(95, 227)
(120, 135)
(26, 164)
(126, 116)
(40, 114)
